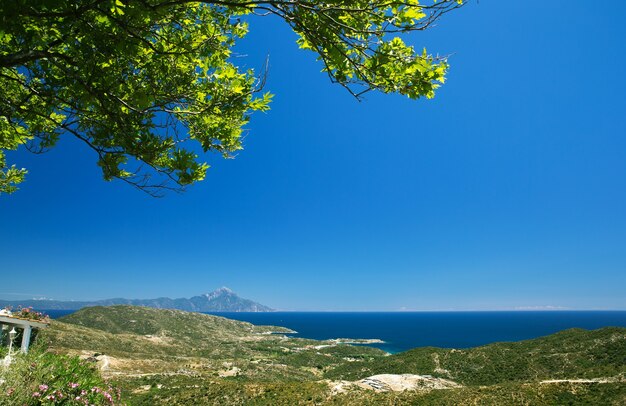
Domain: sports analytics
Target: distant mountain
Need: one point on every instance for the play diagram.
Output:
(220, 300)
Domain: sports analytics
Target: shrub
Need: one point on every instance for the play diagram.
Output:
(43, 378)
(29, 314)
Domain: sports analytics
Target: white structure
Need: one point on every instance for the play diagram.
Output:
(24, 324)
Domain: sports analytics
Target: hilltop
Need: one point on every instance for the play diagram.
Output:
(220, 300)
(175, 357)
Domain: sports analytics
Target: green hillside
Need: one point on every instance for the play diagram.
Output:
(170, 357)
(574, 353)
(122, 319)
(147, 340)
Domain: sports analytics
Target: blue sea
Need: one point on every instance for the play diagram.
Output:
(402, 331)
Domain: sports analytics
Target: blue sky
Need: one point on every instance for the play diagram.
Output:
(508, 190)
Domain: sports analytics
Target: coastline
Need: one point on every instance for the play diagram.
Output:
(402, 331)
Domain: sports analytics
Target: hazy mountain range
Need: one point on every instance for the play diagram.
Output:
(220, 300)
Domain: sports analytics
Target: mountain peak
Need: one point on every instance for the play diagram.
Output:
(219, 292)
(225, 299)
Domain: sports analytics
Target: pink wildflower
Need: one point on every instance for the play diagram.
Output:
(73, 385)
(43, 387)
(36, 394)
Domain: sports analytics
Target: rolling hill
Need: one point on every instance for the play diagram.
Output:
(174, 357)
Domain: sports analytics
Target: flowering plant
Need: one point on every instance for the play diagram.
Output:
(29, 314)
(44, 378)
(75, 394)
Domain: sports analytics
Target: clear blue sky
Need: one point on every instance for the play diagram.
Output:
(507, 190)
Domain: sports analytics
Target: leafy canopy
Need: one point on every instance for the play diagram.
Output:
(136, 81)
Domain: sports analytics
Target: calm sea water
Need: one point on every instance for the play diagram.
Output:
(406, 330)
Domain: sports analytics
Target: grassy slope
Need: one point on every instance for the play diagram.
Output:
(147, 340)
(574, 353)
(273, 370)
(145, 320)
(198, 392)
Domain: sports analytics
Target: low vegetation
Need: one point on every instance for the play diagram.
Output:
(44, 378)
(572, 353)
(139, 340)
(169, 357)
